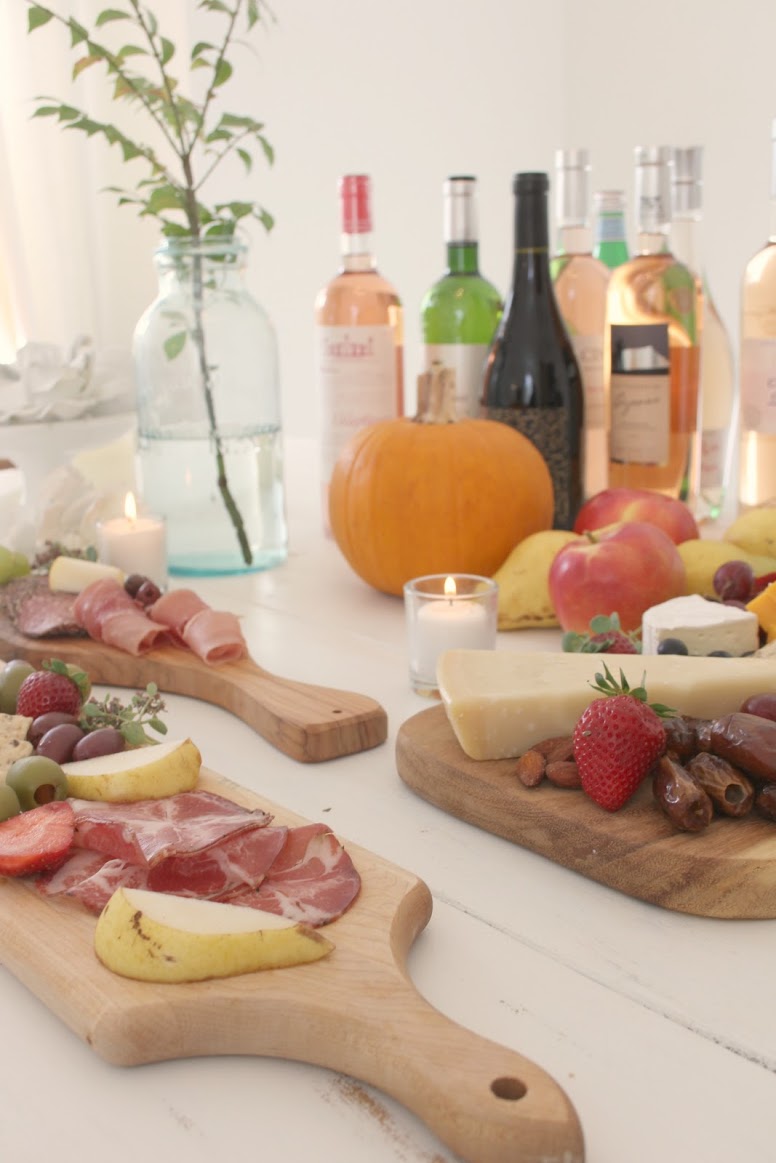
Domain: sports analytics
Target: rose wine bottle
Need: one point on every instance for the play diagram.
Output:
(460, 312)
(359, 342)
(651, 354)
(718, 407)
(532, 379)
(611, 245)
(757, 451)
(580, 283)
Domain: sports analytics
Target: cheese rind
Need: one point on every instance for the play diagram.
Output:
(703, 626)
(501, 702)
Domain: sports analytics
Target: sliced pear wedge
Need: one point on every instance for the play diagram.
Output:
(153, 936)
(142, 773)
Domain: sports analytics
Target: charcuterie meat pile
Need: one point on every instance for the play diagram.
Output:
(198, 844)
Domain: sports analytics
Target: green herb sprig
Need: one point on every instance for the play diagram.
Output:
(131, 719)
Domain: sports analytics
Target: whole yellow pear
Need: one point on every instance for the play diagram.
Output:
(755, 531)
(703, 558)
(524, 601)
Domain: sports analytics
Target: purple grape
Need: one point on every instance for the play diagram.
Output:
(734, 581)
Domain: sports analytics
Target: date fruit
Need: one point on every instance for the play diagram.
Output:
(748, 742)
(729, 789)
(762, 705)
(680, 798)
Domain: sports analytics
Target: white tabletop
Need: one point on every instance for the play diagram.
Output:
(660, 1027)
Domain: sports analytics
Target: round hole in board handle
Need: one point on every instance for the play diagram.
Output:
(510, 1088)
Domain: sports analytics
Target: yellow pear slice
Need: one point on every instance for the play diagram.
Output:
(152, 936)
(142, 773)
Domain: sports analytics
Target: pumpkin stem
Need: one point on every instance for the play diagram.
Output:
(436, 396)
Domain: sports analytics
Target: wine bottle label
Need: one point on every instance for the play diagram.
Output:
(758, 386)
(467, 360)
(640, 391)
(589, 350)
(548, 429)
(357, 381)
(713, 448)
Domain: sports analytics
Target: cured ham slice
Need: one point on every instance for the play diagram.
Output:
(79, 865)
(214, 635)
(148, 831)
(313, 879)
(109, 614)
(243, 859)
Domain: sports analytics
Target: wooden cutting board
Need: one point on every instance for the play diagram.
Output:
(309, 723)
(355, 1011)
(729, 870)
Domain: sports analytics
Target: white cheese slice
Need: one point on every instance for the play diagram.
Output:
(73, 574)
(703, 626)
(500, 702)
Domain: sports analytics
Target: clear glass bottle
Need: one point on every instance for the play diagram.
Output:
(718, 405)
(359, 336)
(532, 379)
(581, 282)
(209, 420)
(611, 240)
(460, 312)
(757, 450)
(651, 352)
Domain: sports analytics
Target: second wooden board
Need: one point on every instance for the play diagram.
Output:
(729, 870)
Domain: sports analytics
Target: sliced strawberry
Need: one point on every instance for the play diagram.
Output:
(36, 840)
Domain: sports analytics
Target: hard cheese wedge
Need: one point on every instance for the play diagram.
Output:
(500, 702)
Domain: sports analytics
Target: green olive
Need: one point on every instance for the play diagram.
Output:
(36, 780)
(12, 676)
(9, 802)
(20, 565)
(6, 564)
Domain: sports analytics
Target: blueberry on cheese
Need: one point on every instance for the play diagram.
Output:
(704, 627)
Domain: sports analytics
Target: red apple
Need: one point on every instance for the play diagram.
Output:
(613, 505)
(624, 568)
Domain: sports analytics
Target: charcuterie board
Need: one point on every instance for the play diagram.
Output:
(310, 723)
(729, 870)
(355, 1011)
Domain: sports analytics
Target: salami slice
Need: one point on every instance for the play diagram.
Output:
(39, 612)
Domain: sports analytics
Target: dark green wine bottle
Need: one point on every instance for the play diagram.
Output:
(532, 380)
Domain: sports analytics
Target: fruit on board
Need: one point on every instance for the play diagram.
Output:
(12, 676)
(142, 773)
(764, 607)
(703, 558)
(152, 936)
(36, 779)
(605, 636)
(55, 688)
(523, 581)
(616, 741)
(614, 506)
(435, 494)
(755, 530)
(9, 802)
(12, 564)
(627, 568)
(36, 840)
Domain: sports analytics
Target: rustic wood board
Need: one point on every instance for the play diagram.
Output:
(355, 1011)
(309, 723)
(728, 871)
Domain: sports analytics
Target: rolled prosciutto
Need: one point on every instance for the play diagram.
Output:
(108, 614)
(213, 635)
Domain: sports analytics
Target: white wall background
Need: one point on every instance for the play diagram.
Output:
(409, 92)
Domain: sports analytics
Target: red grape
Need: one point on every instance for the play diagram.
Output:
(734, 580)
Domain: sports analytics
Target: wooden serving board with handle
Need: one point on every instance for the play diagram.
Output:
(309, 723)
(355, 1011)
(729, 870)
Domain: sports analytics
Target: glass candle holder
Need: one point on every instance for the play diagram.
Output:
(445, 612)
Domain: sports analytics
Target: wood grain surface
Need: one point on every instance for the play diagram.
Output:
(309, 723)
(728, 870)
(355, 1011)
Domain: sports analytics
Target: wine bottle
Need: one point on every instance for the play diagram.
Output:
(532, 379)
(718, 407)
(757, 450)
(651, 355)
(580, 283)
(611, 245)
(460, 312)
(359, 342)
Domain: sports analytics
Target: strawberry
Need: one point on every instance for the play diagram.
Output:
(617, 740)
(605, 637)
(36, 840)
(56, 687)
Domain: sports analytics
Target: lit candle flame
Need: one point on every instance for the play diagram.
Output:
(450, 590)
(130, 507)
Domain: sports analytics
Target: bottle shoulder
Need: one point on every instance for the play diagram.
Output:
(460, 308)
(357, 297)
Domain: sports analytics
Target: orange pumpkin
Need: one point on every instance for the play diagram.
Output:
(434, 494)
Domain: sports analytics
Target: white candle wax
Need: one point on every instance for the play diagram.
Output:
(447, 624)
(136, 545)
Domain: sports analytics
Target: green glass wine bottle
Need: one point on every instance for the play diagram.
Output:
(460, 312)
(611, 246)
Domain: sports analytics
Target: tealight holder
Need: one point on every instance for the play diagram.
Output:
(447, 611)
(135, 543)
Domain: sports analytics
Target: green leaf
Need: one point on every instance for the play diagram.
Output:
(175, 344)
(165, 197)
(236, 209)
(201, 47)
(253, 12)
(131, 50)
(223, 73)
(78, 34)
(109, 14)
(168, 49)
(37, 17)
(219, 135)
(158, 725)
(133, 733)
(269, 152)
(264, 217)
(247, 160)
(84, 63)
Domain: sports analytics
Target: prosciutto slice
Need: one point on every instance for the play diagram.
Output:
(313, 879)
(108, 614)
(148, 831)
(214, 635)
